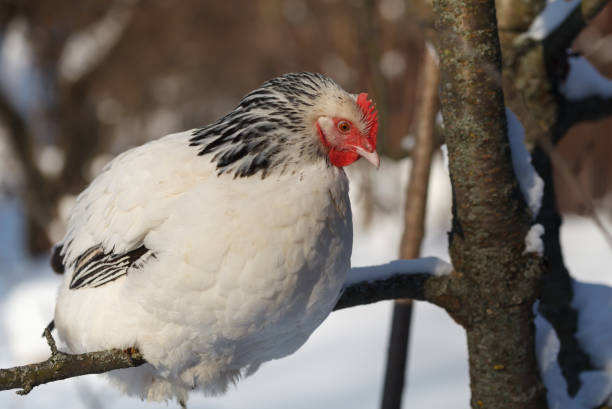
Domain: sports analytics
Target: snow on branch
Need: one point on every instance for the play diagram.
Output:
(593, 303)
(566, 20)
(560, 22)
(555, 12)
(531, 184)
(558, 25)
(397, 279)
(584, 81)
(425, 265)
(588, 94)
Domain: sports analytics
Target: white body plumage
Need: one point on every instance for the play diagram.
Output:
(210, 274)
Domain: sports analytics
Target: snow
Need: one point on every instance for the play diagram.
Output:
(86, 49)
(547, 349)
(594, 303)
(18, 77)
(549, 19)
(34, 299)
(444, 150)
(439, 116)
(392, 64)
(585, 253)
(533, 240)
(408, 142)
(429, 265)
(50, 160)
(342, 364)
(531, 184)
(585, 81)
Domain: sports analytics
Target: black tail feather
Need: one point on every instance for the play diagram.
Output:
(57, 260)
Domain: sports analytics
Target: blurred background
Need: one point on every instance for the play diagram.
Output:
(83, 81)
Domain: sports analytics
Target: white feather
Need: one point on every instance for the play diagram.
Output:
(244, 268)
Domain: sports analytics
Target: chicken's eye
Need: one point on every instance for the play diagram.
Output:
(344, 126)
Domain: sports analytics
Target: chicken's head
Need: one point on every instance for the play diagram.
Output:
(348, 138)
(289, 122)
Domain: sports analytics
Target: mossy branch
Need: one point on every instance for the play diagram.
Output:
(61, 365)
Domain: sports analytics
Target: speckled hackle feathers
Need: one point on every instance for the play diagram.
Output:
(251, 138)
(178, 250)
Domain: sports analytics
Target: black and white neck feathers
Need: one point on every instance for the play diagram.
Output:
(272, 128)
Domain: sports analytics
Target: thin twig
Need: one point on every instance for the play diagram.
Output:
(61, 365)
(414, 228)
(50, 341)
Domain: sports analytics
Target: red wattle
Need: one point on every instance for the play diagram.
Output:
(342, 158)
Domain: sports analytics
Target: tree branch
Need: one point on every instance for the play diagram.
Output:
(398, 286)
(562, 37)
(583, 95)
(557, 292)
(592, 108)
(551, 91)
(62, 365)
(398, 279)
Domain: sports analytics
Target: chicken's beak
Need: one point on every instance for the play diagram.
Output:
(371, 157)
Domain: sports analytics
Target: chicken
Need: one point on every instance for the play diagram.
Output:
(214, 250)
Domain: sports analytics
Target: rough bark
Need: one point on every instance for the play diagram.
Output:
(490, 219)
(414, 228)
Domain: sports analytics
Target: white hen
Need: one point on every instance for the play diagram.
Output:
(217, 249)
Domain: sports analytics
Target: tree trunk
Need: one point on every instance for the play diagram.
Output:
(490, 219)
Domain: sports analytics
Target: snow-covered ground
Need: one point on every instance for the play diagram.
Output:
(341, 366)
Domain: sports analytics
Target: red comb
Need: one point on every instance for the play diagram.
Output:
(370, 116)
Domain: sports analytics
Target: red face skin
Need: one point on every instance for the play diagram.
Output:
(347, 144)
